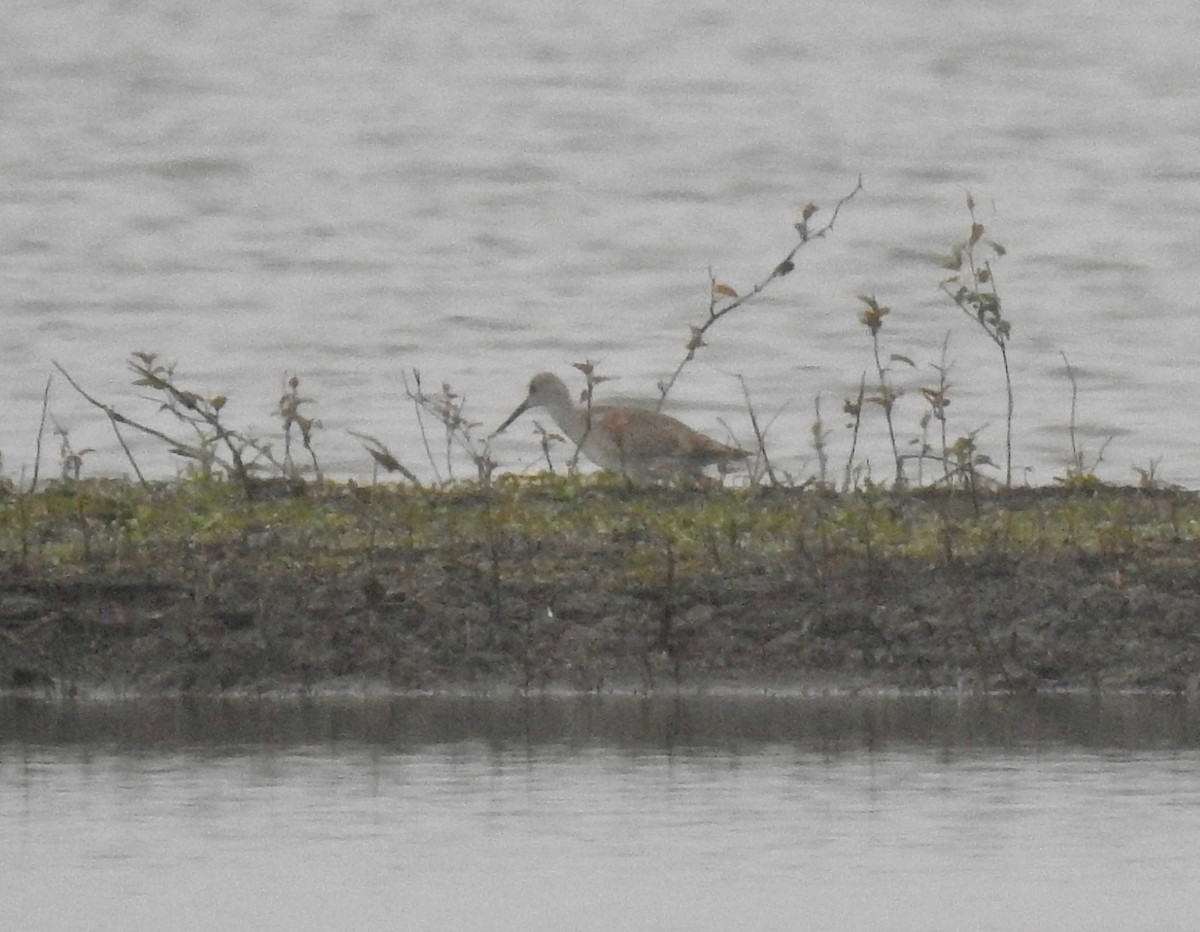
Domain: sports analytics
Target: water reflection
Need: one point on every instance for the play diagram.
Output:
(714, 722)
(594, 813)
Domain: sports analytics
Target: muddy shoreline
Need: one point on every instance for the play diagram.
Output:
(592, 585)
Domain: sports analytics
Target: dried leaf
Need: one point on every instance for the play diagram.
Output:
(385, 459)
(724, 290)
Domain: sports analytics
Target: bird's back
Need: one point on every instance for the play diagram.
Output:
(639, 442)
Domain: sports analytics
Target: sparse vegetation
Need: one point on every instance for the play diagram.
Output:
(973, 288)
(251, 571)
(885, 395)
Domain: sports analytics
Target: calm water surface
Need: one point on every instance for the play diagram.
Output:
(602, 813)
(350, 190)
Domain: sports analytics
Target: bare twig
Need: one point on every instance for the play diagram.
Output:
(547, 438)
(760, 438)
(854, 409)
(819, 437)
(718, 292)
(1076, 456)
(37, 450)
(417, 398)
(591, 380)
(289, 411)
(1079, 469)
(129, 456)
(115, 417)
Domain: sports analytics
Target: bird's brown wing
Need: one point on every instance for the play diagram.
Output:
(649, 435)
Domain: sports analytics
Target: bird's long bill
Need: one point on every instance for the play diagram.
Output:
(512, 417)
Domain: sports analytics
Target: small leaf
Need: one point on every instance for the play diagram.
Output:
(809, 209)
(897, 357)
(954, 260)
(872, 318)
(725, 290)
(784, 267)
(976, 233)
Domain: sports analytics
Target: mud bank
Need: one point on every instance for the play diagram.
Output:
(587, 584)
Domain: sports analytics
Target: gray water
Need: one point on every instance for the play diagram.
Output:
(350, 190)
(692, 813)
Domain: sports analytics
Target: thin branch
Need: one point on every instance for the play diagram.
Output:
(854, 409)
(118, 418)
(759, 436)
(129, 455)
(819, 438)
(1076, 458)
(717, 291)
(37, 450)
(418, 398)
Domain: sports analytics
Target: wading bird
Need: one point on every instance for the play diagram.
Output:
(639, 443)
